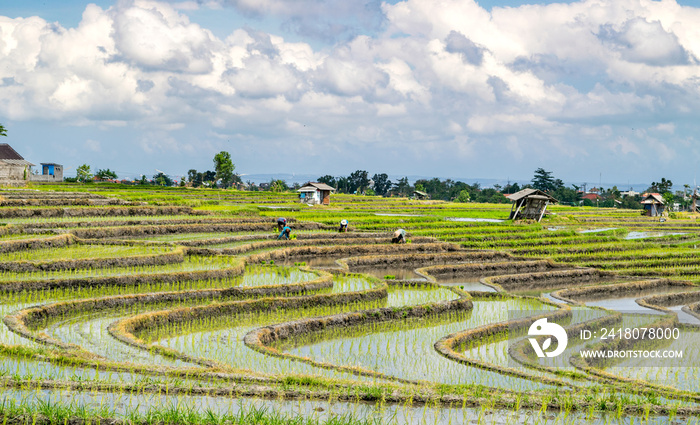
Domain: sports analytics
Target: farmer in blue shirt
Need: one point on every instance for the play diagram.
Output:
(284, 234)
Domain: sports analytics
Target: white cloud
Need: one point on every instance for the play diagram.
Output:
(448, 75)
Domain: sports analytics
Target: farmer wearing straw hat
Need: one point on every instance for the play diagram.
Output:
(399, 236)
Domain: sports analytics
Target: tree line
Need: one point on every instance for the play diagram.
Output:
(222, 176)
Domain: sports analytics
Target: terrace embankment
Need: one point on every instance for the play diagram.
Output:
(448, 345)
(51, 202)
(123, 279)
(301, 239)
(177, 255)
(126, 231)
(421, 259)
(25, 322)
(274, 243)
(351, 250)
(136, 221)
(484, 269)
(36, 243)
(593, 292)
(261, 339)
(129, 330)
(549, 279)
(92, 211)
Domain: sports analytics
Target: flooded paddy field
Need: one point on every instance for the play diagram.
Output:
(174, 314)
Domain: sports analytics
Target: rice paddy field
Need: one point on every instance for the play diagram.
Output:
(145, 305)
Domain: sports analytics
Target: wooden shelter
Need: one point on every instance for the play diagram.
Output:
(420, 195)
(653, 204)
(315, 193)
(530, 204)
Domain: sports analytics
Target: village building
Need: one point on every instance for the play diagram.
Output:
(529, 204)
(653, 204)
(592, 197)
(314, 193)
(50, 172)
(629, 193)
(14, 170)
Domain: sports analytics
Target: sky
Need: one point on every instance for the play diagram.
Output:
(592, 90)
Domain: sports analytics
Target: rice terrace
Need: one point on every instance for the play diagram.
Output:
(147, 305)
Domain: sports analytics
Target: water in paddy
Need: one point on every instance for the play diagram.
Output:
(642, 235)
(91, 333)
(628, 303)
(221, 338)
(684, 317)
(399, 273)
(575, 345)
(682, 373)
(467, 285)
(259, 276)
(598, 230)
(535, 291)
(548, 296)
(325, 262)
(399, 296)
(477, 220)
(404, 349)
(495, 348)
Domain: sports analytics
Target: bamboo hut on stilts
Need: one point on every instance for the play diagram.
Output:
(529, 204)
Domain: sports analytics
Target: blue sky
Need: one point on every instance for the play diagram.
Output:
(591, 90)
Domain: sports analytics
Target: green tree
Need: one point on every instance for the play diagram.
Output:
(278, 186)
(224, 168)
(669, 199)
(662, 187)
(83, 173)
(358, 181)
(191, 175)
(3, 130)
(567, 195)
(162, 179)
(544, 181)
(343, 184)
(382, 184)
(403, 187)
(329, 180)
(511, 188)
(106, 174)
(463, 196)
(209, 176)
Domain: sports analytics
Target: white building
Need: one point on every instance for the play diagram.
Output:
(314, 193)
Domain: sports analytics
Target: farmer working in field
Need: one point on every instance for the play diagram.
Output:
(281, 222)
(343, 226)
(399, 236)
(284, 234)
